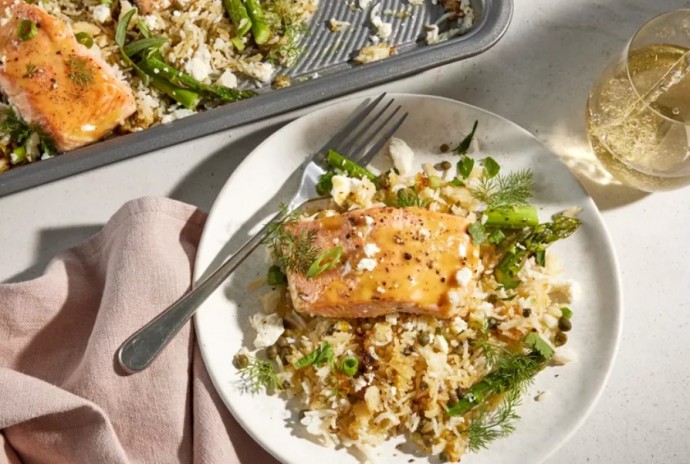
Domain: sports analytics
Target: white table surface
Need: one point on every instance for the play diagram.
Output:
(538, 75)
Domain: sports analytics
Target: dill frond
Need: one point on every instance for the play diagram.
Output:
(408, 197)
(291, 252)
(78, 71)
(492, 425)
(257, 375)
(513, 189)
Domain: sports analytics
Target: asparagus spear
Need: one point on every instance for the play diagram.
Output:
(532, 242)
(514, 372)
(154, 65)
(338, 161)
(260, 29)
(186, 98)
(515, 217)
(238, 15)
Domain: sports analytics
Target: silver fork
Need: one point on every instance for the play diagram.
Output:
(363, 130)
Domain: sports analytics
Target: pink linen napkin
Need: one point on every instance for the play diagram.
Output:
(63, 398)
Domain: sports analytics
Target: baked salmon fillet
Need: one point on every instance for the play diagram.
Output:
(54, 82)
(394, 260)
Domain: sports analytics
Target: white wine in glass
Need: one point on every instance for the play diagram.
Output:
(638, 112)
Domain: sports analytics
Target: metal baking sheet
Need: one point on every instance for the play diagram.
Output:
(327, 54)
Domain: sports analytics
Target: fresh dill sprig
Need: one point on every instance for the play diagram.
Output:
(286, 21)
(492, 425)
(258, 374)
(31, 70)
(501, 191)
(292, 252)
(408, 197)
(79, 71)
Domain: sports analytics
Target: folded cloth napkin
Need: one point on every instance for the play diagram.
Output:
(63, 398)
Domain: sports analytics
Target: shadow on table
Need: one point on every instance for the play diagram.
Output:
(50, 243)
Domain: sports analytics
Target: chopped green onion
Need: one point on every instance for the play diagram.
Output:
(566, 312)
(27, 29)
(435, 182)
(325, 261)
(350, 365)
(18, 154)
(84, 38)
(276, 276)
(491, 167)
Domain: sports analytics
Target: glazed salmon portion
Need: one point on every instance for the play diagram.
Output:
(56, 83)
(394, 260)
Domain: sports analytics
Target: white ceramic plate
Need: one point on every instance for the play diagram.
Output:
(250, 195)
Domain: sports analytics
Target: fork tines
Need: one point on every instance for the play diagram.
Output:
(364, 131)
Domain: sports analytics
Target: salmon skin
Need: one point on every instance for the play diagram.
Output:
(394, 260)
(57, 84)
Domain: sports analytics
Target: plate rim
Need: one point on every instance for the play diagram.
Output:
(617, 298)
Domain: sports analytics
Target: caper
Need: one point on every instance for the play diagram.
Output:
(284, 352)
(302, 414)
(271, 352)
(446, 165)
(407, 351)
(240, 361)
(423, 338)
(282, 341)
(444, 456)
(444, 148)
(561, 339)
(564, 324)
(383, 181)
(285, 385)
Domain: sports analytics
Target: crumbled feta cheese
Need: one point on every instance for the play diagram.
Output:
(179, 113)
(424, 232)
(364, 4)
(360, 383)
(151, 22)
(262, 72)
(359, 191)
(269, 328)
(88, 128)
(366, 264)
(369, 220)
(432, 34)
(101, 13)
(370, 250)
(462, 250)
(441, 344)
(464, 276)
(227, 79)
(338, 26)
(459, 325)
(402, 156)
(199, 66)
(383, 29)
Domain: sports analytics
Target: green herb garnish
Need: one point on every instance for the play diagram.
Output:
(465, 166)
(79, 71)
(491, 167)
(537, 344)
(408, 197)
(291, 251)
(496, 236)
(488, 426)
(320, 356)
(27, 30)
(478, 233)
(257, 374)
(31, 71)
(462, 148)
(513, 189)
(566, 312)
(325, 261)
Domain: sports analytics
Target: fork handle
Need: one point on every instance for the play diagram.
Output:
(139, 350)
